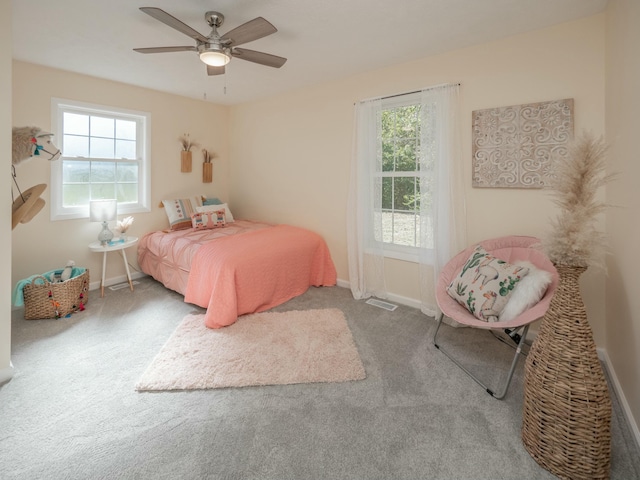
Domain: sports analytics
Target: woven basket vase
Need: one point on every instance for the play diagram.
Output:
(566, 418)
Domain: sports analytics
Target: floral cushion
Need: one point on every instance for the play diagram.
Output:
(485, 284)
(209, 219)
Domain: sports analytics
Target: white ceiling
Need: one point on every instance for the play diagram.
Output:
(323, 39)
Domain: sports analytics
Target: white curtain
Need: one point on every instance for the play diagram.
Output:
(366, 259)
(442, 208)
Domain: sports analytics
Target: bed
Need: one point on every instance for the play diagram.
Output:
(243, 267)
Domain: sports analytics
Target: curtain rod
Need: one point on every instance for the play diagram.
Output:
(408, 93)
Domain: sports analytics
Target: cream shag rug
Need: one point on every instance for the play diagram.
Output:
(259, 349)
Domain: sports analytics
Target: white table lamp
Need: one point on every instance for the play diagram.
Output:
(103, 211)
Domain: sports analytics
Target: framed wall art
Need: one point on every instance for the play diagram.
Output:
(516, 146)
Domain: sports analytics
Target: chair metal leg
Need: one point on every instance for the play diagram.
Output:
(514, 362)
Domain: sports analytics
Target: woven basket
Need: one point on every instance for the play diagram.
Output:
(55, 300)
(566, 418)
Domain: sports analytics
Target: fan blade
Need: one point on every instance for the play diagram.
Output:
(248, 32)
(215, 70)
(258, 57)
(173, 22)
(165, 49)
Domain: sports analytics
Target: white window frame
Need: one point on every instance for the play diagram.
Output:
(143, 143)
(394, 250)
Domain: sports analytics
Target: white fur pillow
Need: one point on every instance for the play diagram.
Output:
(527, 292)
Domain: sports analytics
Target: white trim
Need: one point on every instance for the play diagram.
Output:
(6, 373)
(628, 414)
(143, 119)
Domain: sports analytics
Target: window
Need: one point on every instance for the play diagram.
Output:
(406, 198)
(402, 179)
(105, 154)
(399, 175)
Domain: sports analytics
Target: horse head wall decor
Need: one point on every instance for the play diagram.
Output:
(28, 142)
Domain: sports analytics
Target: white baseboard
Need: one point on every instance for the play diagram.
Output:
(6, 373)
(633, 424)
(391, 297)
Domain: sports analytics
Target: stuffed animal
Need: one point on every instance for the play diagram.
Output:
(66, 273)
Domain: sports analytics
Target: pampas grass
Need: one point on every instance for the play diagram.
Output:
(574, 239)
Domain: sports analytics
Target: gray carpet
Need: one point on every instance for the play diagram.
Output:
(71, 411)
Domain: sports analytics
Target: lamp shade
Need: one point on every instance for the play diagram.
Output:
(103, 210)
(214, 58)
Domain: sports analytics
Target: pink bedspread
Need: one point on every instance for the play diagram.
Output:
(167, 256)
(243, 268)
(256, 271)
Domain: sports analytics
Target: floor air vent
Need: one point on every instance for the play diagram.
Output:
(122, 285)
(380, 304)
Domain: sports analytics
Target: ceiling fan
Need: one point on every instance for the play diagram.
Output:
(216, 50)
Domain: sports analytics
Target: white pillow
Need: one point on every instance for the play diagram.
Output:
(213, 208)
(527, 292)
(179, 211)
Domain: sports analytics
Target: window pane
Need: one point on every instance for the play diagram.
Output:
(125, 149)
(127, 172)
(404, 193)
(103, 172)
(102, 147)
(102, 127)
(74, 146)
(75, 123)
(407, 121)
(75, 195)
(404, 228)
(127, 192)
(101, 191)
(385, 219)
(387, 193)
(125, 129)
(76, 171)
(388, 154)
(405, 153)
(388, 124)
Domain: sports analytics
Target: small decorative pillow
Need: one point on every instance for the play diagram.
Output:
(529, 291)
(206, 220)
(179, 211)
(212, 201)
(485, 284)
(213, 208)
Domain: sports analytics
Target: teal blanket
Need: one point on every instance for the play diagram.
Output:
(17, 297)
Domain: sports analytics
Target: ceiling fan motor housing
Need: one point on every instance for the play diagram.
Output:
(214, 19)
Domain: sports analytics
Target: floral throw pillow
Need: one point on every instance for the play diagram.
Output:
(485, 284)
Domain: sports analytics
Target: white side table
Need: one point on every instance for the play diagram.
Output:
(98, 247)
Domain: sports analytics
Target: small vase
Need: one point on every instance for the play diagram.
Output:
(207, 172)
(566, 419)
(185, 161)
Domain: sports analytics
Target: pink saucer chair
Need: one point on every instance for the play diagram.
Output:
(510, 249)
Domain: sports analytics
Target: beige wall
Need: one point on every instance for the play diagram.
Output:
(5, 209)
(42, 245)
(623, 105)
(290, 154)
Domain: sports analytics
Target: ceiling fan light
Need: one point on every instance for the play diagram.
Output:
(215, 59)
